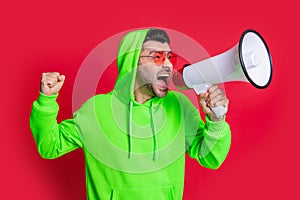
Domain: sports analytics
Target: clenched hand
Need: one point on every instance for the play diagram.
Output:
(51, 83)
(213, 97)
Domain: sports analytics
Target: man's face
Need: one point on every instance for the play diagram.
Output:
(152, 75)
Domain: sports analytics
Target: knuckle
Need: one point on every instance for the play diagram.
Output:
(43, 83)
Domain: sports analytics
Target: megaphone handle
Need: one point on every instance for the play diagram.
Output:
(219, 111)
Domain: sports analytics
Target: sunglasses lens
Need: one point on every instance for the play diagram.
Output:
(160, 57)
(172, 58)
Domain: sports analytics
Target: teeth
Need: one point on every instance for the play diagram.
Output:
(164, 75)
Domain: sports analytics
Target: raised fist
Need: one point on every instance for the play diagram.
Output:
(51, 83)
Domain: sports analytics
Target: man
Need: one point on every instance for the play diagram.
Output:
(135, 137)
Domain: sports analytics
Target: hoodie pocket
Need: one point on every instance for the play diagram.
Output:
(161, 193)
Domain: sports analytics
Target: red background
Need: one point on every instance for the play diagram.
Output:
(40, 36)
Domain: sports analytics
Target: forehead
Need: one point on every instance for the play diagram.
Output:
(155, 45)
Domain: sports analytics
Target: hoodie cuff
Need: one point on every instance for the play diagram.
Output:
(46, 101)
(215, 126)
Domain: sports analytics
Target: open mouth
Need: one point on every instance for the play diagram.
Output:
(163, 80)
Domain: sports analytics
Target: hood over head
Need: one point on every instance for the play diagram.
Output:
(128, 57)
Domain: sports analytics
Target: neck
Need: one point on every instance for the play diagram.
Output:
(142, 94)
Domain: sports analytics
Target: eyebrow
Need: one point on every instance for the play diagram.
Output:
(154, 50)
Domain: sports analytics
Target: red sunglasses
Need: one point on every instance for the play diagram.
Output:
(159, 57)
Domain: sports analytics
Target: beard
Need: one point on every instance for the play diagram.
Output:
(153, 84)
(155, 90)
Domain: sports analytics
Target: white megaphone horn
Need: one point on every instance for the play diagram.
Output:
(248, 61)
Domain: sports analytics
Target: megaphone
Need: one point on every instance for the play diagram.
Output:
(248, 61)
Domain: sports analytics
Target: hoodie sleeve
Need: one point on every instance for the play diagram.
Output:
(52, 139)
(211, 144)
(208, 142)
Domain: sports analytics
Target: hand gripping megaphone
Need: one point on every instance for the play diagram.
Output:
(248, 61)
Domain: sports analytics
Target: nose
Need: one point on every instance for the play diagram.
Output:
(168, 65)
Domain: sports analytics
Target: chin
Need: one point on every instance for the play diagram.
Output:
(161, 94)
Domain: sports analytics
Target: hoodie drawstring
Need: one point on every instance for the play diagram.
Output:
(155, 153)
(155, 145)
(130, 129)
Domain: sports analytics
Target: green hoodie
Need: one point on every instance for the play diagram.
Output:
(132, 151)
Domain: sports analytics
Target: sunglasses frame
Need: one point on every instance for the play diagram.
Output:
(164, 54)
